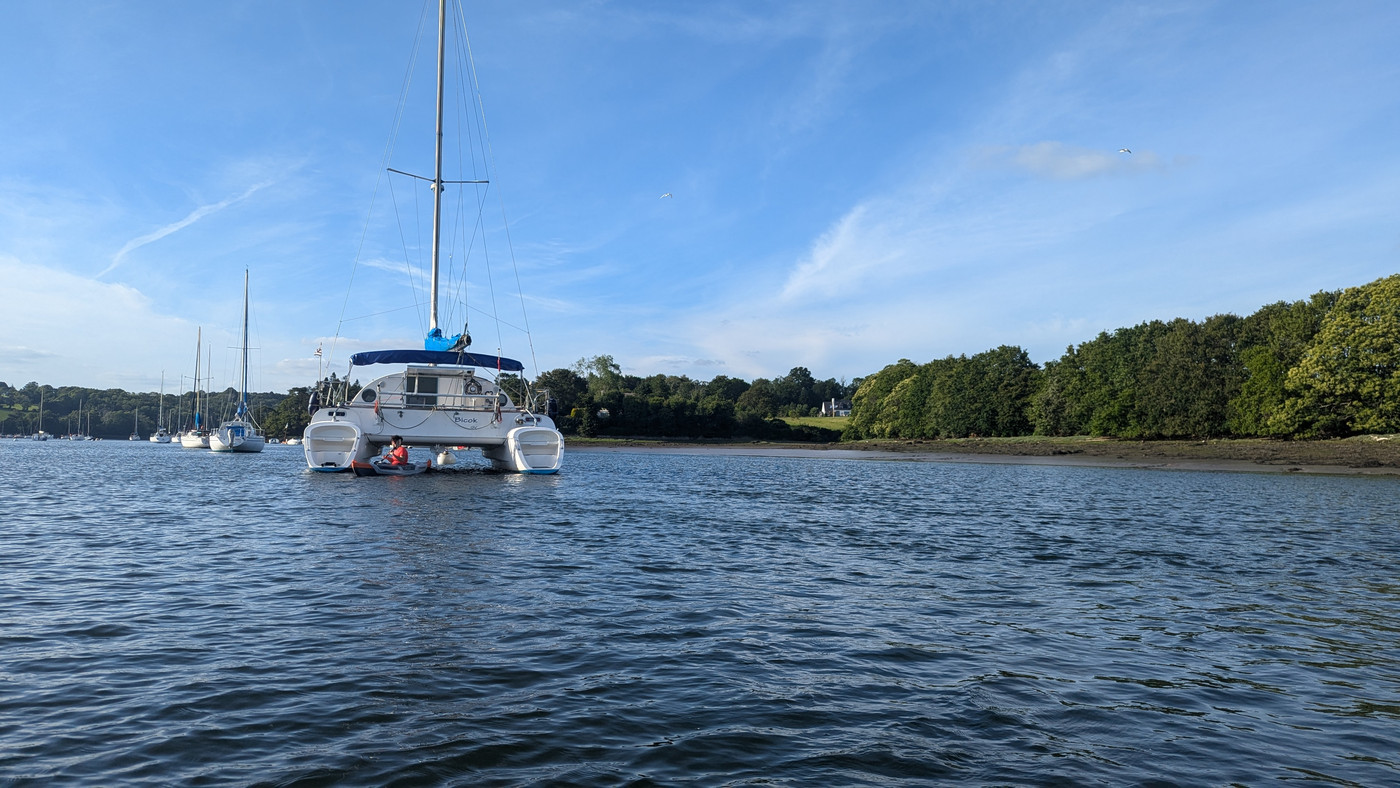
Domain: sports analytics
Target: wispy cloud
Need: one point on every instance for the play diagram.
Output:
(396, 267)
(847, 252)
(20, 355)
(194, 216)
(1058, 161)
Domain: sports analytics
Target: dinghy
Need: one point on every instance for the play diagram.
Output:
(378, 467)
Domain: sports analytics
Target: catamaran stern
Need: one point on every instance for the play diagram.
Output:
(528, 450)
(331, 446)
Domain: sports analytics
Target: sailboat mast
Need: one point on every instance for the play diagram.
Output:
(243, 382)
(198, 341)
(437, 166)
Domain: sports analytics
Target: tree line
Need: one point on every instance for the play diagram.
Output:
(1325, 366)
(594, 398)
(112, 413)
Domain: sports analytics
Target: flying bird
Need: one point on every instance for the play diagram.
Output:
(664, 196)
(1124, 150)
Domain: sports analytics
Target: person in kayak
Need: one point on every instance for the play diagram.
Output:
(398, 453)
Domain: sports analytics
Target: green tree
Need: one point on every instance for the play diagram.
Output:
(1054, 408)
(1006, 380)
(565, 386)
(290, 416)
(758, 402)
(726, 388)
(1272, 341)
(602, 373)
(1189, 378)
(1348, 380)
(868, 402)
(793, 392)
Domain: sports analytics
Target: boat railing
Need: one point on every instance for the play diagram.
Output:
(399, 400)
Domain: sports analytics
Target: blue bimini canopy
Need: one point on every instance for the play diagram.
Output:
(462, 359)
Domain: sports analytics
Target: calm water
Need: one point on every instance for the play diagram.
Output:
(178, 617)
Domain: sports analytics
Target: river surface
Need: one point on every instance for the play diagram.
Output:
(170, 616)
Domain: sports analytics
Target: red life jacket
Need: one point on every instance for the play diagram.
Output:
(398, 456)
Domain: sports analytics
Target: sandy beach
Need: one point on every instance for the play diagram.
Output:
(1363, 455)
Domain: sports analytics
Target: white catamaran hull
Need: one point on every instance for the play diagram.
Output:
(340, 436)
(459, 412)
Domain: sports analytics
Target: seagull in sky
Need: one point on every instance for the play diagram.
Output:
(1124, 150)
(664, 196)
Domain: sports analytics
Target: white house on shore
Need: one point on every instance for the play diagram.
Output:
(836, 407)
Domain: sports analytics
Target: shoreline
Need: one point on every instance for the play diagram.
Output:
(1366, 455)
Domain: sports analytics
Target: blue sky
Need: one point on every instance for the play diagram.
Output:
(853, 183)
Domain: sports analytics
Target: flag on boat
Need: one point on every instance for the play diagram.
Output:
(318, 351)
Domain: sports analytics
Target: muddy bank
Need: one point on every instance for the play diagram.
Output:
(1361, 455)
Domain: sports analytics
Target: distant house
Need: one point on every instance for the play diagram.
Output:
(836, 407)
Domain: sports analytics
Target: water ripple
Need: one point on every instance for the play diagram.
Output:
(182, 617)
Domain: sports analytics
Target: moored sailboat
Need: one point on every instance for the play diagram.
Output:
(160, 435)
(197, 437)
(239, 434)
(441, 396)
(40, 435)
(83, 433)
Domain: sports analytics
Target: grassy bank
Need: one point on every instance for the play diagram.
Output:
(837, 423)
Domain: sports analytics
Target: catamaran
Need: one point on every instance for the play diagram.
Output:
(442, 396)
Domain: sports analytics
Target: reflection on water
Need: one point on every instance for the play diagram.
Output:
(171, 616)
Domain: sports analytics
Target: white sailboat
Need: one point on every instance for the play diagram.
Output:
(83, 433)
(160, 435)
(135, 426)
(441, 396)
(239, 434)
(198, 436)
(40, 435)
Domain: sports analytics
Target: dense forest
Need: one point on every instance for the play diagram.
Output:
(594, 398)
(1326, 366)
(111, 413)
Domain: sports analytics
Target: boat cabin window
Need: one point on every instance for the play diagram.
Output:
(367, 395)
(421, 390)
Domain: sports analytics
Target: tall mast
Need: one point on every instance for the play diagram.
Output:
(198, 341)
(437, 166)
(243, 383)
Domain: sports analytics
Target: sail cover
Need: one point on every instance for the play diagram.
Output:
(462, 359)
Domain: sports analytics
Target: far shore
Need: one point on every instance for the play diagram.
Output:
(1363, 455)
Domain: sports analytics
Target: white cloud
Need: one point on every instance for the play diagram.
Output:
(97, 333)
(102, 334)
(1058, 161)
(194, 216)
(839, 259)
